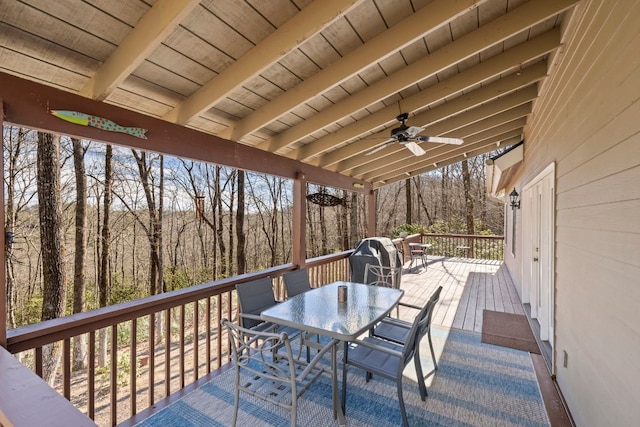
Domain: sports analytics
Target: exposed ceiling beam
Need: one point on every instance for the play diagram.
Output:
(26, 103)
(485, 116)
(417, 25)
(493, 98)
(352, 155)
(304, 25)
(483, 71)
(491, 146)
(154, 27)
(466, 46)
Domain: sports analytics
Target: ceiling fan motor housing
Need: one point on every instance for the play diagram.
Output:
(400, 133)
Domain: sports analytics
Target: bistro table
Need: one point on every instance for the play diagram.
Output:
(318, 311)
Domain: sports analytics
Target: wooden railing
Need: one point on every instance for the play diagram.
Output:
(458, 245)
(145, 363)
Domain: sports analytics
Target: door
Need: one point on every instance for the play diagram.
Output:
(539, 196)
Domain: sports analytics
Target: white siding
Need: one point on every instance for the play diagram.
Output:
(587, 120)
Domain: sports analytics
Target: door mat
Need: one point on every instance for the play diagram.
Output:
(508, 330)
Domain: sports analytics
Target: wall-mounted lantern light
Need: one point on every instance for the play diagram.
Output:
(514, 197)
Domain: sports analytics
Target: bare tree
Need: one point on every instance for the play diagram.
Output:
(50, 213)
(103, 278)
(468, 200)
(154, 207)
(353, 221)
(424, 206)
(407, 190)
(79, 342)
(19, 177)
(240, 236)
(220, 227)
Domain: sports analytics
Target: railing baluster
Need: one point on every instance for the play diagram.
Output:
(196, 332)
(167, 353)
(208, 335)
(91, 398)
(66, 367)
(152, 359)
(229, 296)
(114, 375)
(181, 348)
(219, 335)
(133, 364)
(38, 361)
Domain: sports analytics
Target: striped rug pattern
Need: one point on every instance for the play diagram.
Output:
(477, 384)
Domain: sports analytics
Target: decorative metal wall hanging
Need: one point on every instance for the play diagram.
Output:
(325, 199)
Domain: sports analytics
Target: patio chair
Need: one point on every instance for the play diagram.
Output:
(418, 253)
(296, 282)
(388, 359)
(378, 275)
(254, 297)
(397, 331)
(260, 371)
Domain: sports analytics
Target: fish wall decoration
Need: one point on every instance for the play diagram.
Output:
(98, 122)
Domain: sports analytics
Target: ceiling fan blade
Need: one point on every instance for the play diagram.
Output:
(440, 139)
(414, 148)
(375, 150)
(412, 131)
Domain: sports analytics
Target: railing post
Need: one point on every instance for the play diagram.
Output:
(299, 225)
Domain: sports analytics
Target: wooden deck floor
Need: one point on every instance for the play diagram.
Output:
(468, 287)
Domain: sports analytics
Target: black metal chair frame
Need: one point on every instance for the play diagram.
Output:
(387, 359)
(396, 330)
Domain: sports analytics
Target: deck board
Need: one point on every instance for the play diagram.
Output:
(469, 286)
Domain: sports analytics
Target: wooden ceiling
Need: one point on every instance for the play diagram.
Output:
(319, 81)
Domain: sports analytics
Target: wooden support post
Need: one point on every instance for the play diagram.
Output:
(371, 213)
(3, 261)
(299, 244)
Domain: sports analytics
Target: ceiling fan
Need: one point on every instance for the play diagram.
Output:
(408, 135)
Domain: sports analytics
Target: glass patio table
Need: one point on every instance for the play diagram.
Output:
(318, 311)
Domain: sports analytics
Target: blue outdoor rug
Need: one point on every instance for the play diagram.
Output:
(477, 384)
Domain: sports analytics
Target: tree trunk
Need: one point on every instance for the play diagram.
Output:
(232, 196)
(468, 205)
(161, 285)
(220, 227)
(425, 209)
(343, 223)
(443, 196)
(14, 146)
(79, 342)
(154, 226)
(103, 279)
(468, 200)
(50, 213)
(240, 237)
(323, 228)
(353, 222)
